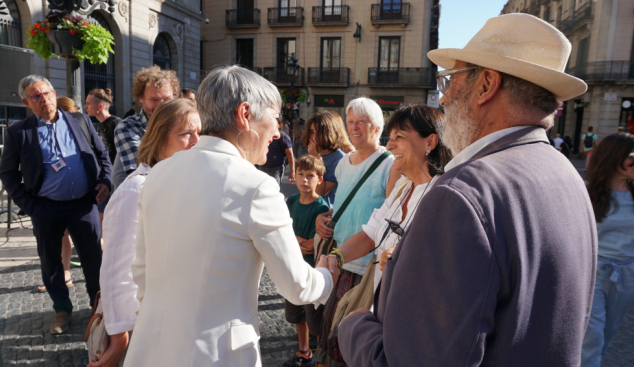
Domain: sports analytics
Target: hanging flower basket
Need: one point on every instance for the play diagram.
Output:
(64, 35)
(299, 96)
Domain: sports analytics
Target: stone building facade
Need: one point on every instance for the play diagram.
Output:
(602, 36)
(345, 48)
(146, 32)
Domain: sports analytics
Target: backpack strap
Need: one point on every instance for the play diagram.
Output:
(83, 124)
(367, 174)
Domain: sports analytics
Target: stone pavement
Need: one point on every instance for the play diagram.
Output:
(25, 315)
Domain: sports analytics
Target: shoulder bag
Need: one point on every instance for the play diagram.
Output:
(96, 337)
(324, 247)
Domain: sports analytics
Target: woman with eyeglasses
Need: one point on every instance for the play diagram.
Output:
(611, 189)
(419, 156)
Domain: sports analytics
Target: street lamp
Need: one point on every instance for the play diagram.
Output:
(291, 68)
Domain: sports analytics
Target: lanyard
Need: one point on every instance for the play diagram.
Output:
(55, 142)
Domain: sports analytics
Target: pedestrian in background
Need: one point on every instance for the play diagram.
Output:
(304, 209)
(130, 112)
(557, 142)
(566, 147)
(323, 140)
(150, 87)
(97, 105)
(58, 179)
(347, 146)
(297, 137)
(280, 151)
(610, 185)
(589, 142)
(189, 94)
(174, 127)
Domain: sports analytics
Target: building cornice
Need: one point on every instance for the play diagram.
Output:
(181, 9)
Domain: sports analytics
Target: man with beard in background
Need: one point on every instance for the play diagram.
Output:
(491, 272)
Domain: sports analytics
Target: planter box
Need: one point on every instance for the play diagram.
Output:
(62, 42)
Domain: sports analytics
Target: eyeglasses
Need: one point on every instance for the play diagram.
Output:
(395, 227)
(38, 97)
(444, 83)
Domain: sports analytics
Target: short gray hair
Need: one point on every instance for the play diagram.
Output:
(364, 106)
(522, 93)
(222, 91)
(28, 81)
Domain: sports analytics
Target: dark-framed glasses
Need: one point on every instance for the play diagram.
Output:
(38, 97)
(444, 82)
(395, 227)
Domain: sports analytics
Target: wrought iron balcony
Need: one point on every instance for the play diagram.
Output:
(286, 17)
(604, 71)
(390, 13)
(399, 77)
(280, 76)
(330, 15)
(242, 18)
(329, 76)
(576, 18)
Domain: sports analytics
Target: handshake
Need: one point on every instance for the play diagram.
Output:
(332, 264)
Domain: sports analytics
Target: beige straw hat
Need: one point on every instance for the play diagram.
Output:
(520, 45)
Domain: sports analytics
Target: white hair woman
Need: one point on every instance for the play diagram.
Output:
(365, 125)
(208, 223)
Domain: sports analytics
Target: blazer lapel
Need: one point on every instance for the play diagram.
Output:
(532, 134)
(73, 124)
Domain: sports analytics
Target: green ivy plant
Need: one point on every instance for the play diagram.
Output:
(97, 40)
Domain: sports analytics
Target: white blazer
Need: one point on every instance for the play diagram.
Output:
(208, 222)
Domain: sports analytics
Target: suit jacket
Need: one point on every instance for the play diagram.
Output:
(21, 166)
(208, 222)
(497, 268)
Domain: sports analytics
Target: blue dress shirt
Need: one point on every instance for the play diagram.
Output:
(57, 141)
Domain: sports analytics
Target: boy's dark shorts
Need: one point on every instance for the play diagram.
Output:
(304, 313)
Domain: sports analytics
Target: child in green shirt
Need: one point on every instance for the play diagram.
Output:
(304, 209)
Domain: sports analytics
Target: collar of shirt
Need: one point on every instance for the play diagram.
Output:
(477, 146)
(40, 122)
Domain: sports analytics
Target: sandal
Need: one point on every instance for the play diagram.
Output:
(42, 288)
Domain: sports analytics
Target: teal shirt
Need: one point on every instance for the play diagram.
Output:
(370, 196)
(616, 232)
(304, 216)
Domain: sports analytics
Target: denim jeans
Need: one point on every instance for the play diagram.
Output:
(276, 172)
(613, 296)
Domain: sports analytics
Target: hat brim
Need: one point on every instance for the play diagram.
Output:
(562, 85)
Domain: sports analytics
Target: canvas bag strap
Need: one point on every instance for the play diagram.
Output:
(367, 174)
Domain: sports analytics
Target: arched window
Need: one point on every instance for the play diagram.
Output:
(10, 26)
(162, 53)
(100, 75)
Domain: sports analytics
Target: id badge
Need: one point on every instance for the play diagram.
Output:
(57, 166)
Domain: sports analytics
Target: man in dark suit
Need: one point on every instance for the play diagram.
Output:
(51, 172)
(498, 266)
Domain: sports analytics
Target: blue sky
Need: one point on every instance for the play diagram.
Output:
(461, 19)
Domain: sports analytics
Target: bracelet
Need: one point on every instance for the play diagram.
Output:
(339, 255)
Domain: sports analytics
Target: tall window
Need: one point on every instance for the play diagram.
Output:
(162, 55)
(547, 13)
(244, 53)
(330, 53)
(245, 12)
(10, 26)
(284, 6)
(582, 51)
(389, 59)
(332, 7)
(390, 9)
(100, 75)
(285, 48)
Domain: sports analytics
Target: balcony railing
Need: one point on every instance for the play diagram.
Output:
(398, 77)
(390, 13)
(329, 76)
(280, 76)
(330, 15)
(601, 71)
(242, 18)
(286, 17)
(581, 14)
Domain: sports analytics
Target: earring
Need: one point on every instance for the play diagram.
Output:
(238, 142)
(427, 153)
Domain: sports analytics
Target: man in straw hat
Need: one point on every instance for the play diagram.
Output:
(492, 271)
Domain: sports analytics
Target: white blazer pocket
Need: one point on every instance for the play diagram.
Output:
(245, 335)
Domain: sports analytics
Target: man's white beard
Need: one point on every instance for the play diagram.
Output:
(457, 129)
